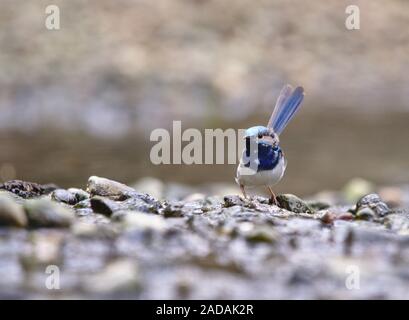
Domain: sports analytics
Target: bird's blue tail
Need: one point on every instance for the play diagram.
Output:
(287, 104)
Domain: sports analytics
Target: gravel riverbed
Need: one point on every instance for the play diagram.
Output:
(111, 241)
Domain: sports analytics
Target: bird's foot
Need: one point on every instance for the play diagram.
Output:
(243, 191)
(272, 200)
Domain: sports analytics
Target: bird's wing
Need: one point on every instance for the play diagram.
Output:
(287, 104)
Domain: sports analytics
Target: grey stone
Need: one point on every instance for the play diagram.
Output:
(48, 214)
(27, 189)
(230, 201)
(365, 213)
(318, 205)
(62, 195)
(11, 213)
(104, 206)
(98, 186)
(292, 203)
(373, 202)
(107, 206)
(79, 194)
(173, 210)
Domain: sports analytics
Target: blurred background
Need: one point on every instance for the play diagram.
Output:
(83, 100)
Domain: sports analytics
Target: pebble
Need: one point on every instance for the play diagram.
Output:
(98, 186)
(11, 213)
(62, 195)
(230, 201)
(374, 203)
(26, 189)
(173, 210)
(365, 213)
(104, 206)
(107, 206)
(292, 203)
(43, 213)
(80, 194)
(122, 244)
(328, 217)
(318, 205)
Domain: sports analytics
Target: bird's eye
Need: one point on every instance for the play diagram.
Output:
(260, 136)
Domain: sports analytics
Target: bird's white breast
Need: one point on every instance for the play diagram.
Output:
(248, 177)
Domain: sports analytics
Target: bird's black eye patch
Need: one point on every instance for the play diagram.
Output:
(260, 136)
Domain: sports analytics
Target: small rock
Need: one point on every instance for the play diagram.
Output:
(230, 201)
(84, 204)
(17, 199)
(104, 206)
(108, 188)
(11, 213)
(292, 203)
(142, 202)
(107, 206)
(212, 203)
(373, 202)
(173, 210)
(328, 217)
(80, 194)
(365, 213)
(345, 216)
(318, 205)
(61, 195)
(26, 189)
(48, 214)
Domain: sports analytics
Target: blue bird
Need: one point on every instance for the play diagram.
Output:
(263, 162)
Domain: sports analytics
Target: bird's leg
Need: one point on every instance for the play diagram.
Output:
(243, 191)
(272, 199)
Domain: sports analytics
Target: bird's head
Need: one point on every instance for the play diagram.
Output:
(260, 133)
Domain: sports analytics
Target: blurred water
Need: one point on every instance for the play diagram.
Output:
(324, 151)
